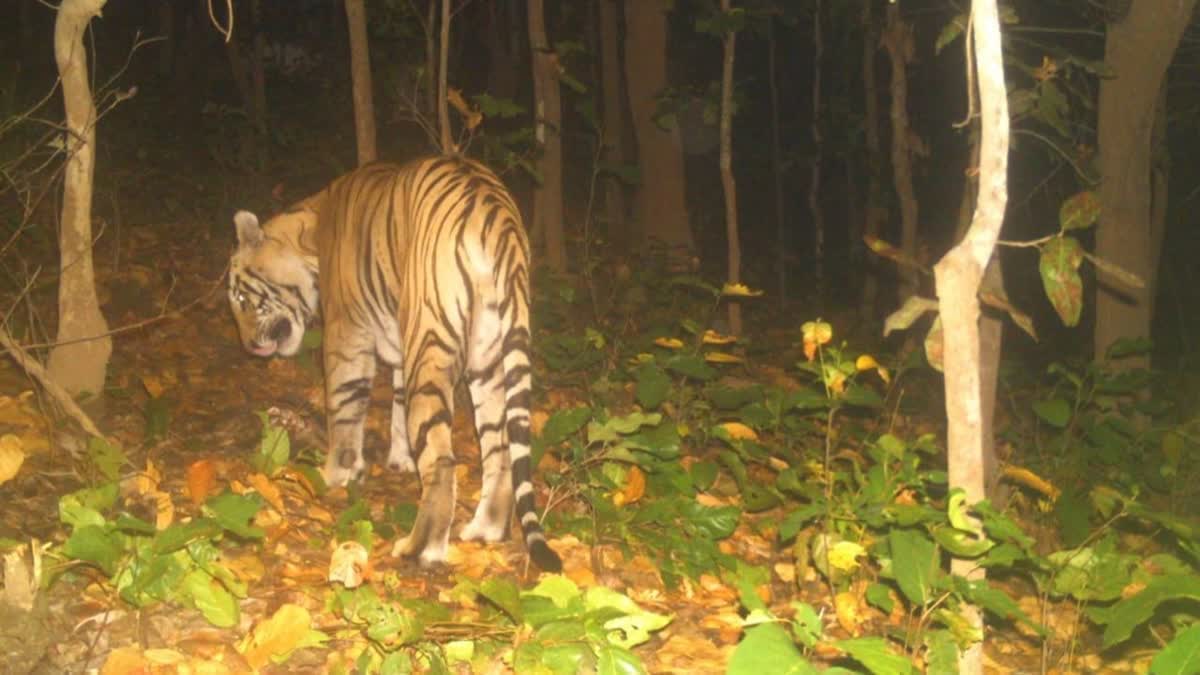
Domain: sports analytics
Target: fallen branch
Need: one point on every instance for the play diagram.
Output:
(36, 370)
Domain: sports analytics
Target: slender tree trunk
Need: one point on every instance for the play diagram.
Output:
(79, 362)
(814, 185)
(613, 131)
(958, 277)
(360, 77)
(258, 75)
(875, 212)
(781, 238)
(659, 205)
(728, 185)
(1138, 49)
(548, 205)
(431, 59)
(443, 103)
(898, 40)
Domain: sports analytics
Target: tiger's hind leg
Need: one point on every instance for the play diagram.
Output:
(494, 513)
(430, 414)
(400, 455)
(349, 369)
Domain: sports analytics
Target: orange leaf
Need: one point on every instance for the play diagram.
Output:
(712, 337)
(277, 636)
(848, 616)
(739, 431)
(201, 479)
(669, 343)
(268, 489)
(635, 487)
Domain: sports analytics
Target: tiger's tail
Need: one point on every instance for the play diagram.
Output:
(517, 387)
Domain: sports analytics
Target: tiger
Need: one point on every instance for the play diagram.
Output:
(424, 266)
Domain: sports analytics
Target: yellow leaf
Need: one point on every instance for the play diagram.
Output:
(712, 337)
(471, 116)
(1031, 480)
(848, 617)
(350, 564)
(125, 661)
(12, 456)
(146, 482)
(739, 290)
(722, 357)
(844, 556)
(164, 510)
(668, 343)
(276, 637)
(865, 362)
(817, 331)
(739, 431)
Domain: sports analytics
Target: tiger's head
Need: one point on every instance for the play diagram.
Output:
(272, 283)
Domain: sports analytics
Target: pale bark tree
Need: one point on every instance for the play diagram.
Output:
(360, 77)
(728, 184)
(958, 276)
(1138, 49)
(79, 361)
(547, 105)
(659, 204)
(898, 40)
(613, 130)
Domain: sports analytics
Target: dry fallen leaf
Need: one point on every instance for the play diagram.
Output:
(201, 480)
(350, 564)
(12, 456)
(739, 431)
(290, 627)
(848, 615)
(635, 487)
(267, 489)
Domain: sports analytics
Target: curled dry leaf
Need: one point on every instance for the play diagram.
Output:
(12, 456)
(201, 480)
(350, 564)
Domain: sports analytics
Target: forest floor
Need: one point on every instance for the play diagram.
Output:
(182, 402)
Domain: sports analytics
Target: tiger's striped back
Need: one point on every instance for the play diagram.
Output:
(426, 266)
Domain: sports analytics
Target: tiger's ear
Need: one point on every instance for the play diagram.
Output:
(249, 232)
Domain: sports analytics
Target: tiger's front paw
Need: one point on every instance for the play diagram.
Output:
(343, 467)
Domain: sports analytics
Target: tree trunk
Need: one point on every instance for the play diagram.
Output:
(360, 77)
(728, 185)
(781, 238)
(659, 204)
(875, 212)
(1138, 50)
(613, 131)
(958, 277)
(431, 62)
(814, 185)
(898, 40)
(443, 101)
(79, 362)
(547, 198)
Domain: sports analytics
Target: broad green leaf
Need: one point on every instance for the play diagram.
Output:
(767, 648)
(84, 507)
(208, 596)
(725, 397)
(1094, 573)
(1126, 615)
(807, 625)
(563, 423)
(1059, 267)
(913, 308)
(703, 474)
(941, 653)
(557, 588)
(1079, 211)
(96, 544)
(235, 513)
(1181, 656)
(876, 655)
(879, 595)
(1055, 412)
(567, 659)
(690, 365)
(504, 594)
(107, 457)
(614, 660)
(635, 629)
(274, 450)
(915, 563)
(950, 32)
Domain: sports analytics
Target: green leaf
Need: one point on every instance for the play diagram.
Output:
(1059, 267)
(1128, 614)
(950, 32)
(235, 513)
(107, 457)
(690, 365)
(1055, 412)
(96, 544)
(567, 659)
(874, 653)
(158, 418)
(209, 596)
(915, 563)
(878, 595)
(1181, 656)
(703, 474)
(653, 385)
(614, 660)
(274, 450)
(941, 653)
(1079, 211)
(563, 423)
(504, 594)
(807, 625)
(767, 648)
